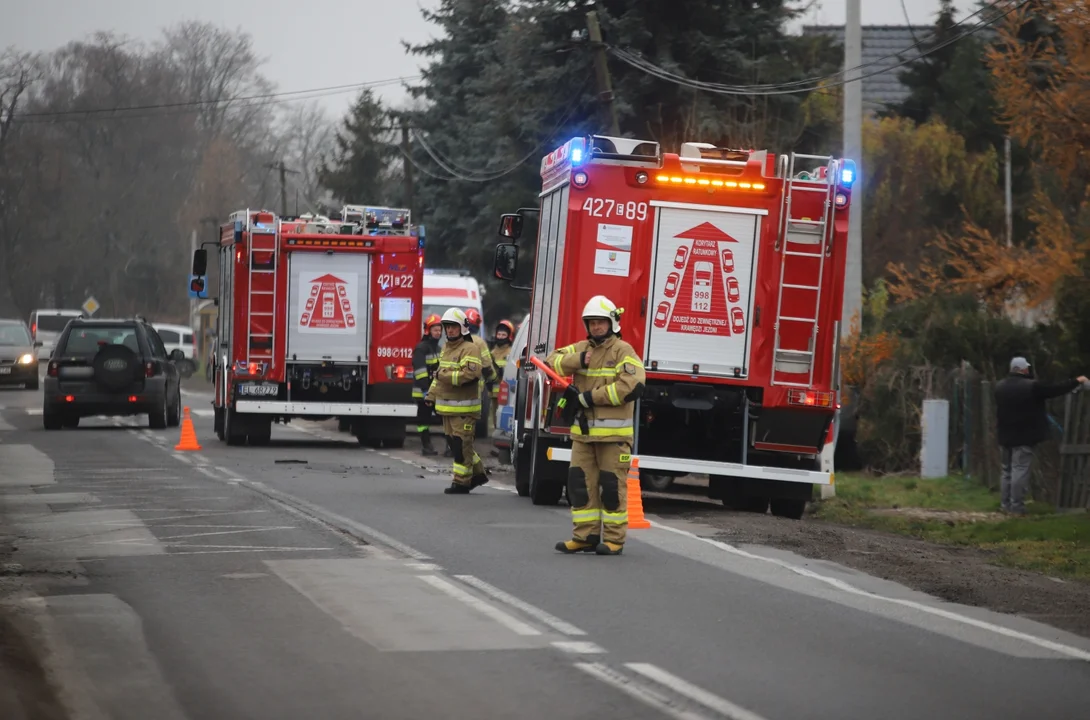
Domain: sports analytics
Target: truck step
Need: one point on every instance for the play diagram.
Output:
(801, 287)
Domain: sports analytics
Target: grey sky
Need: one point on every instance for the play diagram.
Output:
(316, 43)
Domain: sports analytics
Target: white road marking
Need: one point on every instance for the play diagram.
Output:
(535, 612)
(578, 647)
(184, 458)
(694, 693)
(636, 690)
(511, 623)
(1069, 651)
(226, 532)
(201, 514)
(208, 472)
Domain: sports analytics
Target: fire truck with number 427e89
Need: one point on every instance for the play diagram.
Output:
(729, 266)
(318, 318)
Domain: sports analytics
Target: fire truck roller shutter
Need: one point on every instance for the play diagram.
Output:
(329, 306)
(703, 281)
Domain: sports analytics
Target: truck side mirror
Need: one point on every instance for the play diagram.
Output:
(200, 262)
(506, 261)
(511, 226)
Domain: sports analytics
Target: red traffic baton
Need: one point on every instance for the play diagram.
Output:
(557, 380)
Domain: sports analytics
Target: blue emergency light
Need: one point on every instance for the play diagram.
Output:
(847, 173)
(576, 154)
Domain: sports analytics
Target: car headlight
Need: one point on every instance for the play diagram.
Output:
(26, 359)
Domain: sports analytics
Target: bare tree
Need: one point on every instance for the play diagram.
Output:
(309, 136)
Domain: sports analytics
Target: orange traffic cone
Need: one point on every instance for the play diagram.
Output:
(636, 520)
(188, 440)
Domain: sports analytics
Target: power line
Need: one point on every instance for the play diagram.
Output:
(500, 173)
(797, 86)
(197, 104)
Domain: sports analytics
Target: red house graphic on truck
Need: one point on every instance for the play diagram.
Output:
(327, 305)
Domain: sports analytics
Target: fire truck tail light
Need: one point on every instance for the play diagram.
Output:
(580, 179)
(810, 398)
(641, 178)
(396, 372)
(841, 199)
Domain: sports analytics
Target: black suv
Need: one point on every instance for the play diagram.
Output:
(18, 355)
(111, 367)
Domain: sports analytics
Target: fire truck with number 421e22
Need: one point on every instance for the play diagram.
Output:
(730, 266)
(318, 318)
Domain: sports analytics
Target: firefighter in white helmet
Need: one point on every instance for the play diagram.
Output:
(608, 377)
(455, 393)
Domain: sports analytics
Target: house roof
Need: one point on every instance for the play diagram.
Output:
(884, 46)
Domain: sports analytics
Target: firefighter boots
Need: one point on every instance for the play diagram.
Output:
(457, 489)
(608, 548)
(573, 546)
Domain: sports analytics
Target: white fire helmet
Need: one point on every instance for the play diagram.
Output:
(454, 316)
(602, 307)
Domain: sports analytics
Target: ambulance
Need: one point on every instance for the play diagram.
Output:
(729, 265)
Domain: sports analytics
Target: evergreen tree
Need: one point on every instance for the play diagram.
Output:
(359, 173)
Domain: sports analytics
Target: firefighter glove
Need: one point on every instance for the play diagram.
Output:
(586, 399)
(569, 404)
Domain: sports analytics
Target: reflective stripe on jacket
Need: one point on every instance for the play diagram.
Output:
(425, 363)
(615, 378)
(455, 390)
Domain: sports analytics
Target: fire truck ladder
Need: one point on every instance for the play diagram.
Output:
(803, 239)
(261, 297)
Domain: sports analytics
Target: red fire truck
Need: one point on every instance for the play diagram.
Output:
(730, 267)
(318, 318)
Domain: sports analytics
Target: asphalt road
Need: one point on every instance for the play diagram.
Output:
(315, 578)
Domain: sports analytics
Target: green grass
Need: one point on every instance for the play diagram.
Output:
(1042, 541)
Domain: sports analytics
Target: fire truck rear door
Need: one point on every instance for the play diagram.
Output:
(329, 306)
(703, 277)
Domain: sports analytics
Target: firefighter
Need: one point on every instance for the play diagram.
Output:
(425, 363)
(455, 393)
(608, 377)
(488, 377)
(500, 349)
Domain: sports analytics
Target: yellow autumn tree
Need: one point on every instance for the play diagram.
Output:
(1042, 88)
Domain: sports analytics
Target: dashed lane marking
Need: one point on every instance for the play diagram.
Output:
(537, 613)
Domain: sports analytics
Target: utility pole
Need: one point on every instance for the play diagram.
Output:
(283, 184)
(193, 302)
(853, 149)
(405, 150)
(1007, 191)
(601, 70)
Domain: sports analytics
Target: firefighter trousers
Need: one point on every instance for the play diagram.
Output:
(461, 430)
(598, 490)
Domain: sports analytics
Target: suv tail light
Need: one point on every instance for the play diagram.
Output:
(34, 331)
(151, 368)
(54, 369)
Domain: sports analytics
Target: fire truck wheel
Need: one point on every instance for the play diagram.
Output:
(522, 466)
(656, 483)
(788, 508)
(230, 434)
(394, 443)
(344, 424)
(217, 422)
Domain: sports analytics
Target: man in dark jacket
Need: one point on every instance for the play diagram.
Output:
(425, 363)
(1021, 423)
